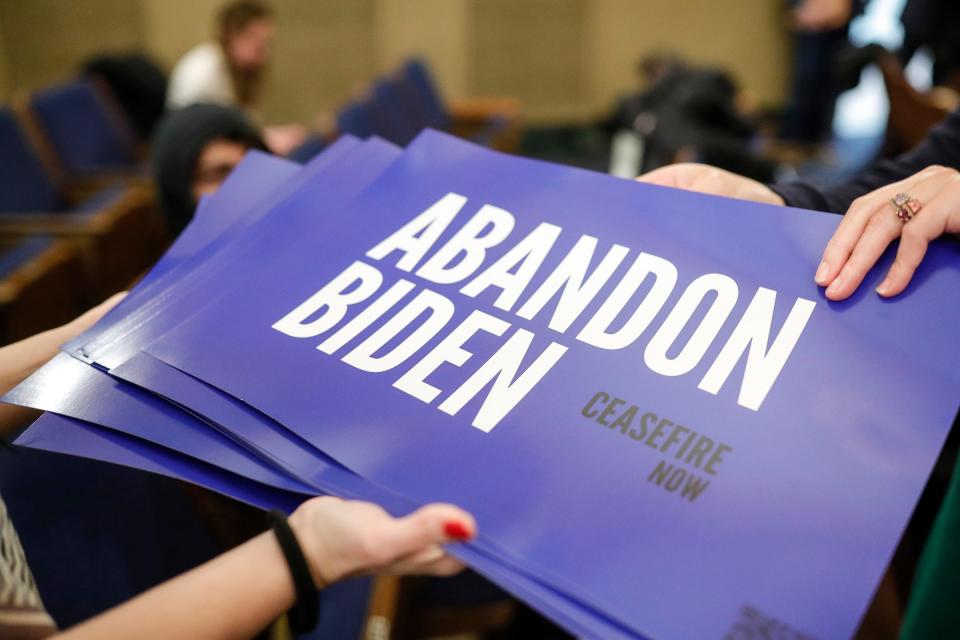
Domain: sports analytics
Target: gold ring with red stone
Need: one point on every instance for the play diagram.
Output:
(905, 206)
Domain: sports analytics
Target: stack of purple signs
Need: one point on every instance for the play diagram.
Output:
(662, 426)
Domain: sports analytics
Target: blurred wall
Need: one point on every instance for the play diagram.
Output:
(748, 37)
(566, 59)
(5, 84)
(44, 40)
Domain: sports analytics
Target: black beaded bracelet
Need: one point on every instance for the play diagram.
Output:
(303, 616)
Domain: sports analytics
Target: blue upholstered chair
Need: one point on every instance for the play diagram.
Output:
(397, 107)
(310, 147)
(355, 118)
(393, 119)
(86, 130)
(493, 122)
(40, 285)
(115, 227)
(25, 184)
(416, 75)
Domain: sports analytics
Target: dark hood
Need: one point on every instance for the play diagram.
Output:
(180, 137)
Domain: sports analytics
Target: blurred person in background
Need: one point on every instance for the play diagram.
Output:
(194, 150)
(689, 113)
(230, 70)
(819, 31)
(934, 24)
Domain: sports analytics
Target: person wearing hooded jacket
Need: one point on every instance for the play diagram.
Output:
(194, 150)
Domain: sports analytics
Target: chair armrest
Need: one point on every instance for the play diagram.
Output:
(55, 223)
(79, 188)
(116, 241)
(45, 289)
(35, 268)
(73, 223)
(484, 108)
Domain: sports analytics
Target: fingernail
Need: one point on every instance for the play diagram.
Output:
(884, 288)
(456, 530)
(834, 286)
(822, 271)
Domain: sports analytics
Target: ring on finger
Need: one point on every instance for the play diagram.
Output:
(905, 206)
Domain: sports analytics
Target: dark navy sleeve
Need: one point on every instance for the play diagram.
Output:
(940, 147)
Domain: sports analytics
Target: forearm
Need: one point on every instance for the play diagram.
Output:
(236, 595)
(20, 359)
(941, 147)
(838, 198)
(239, 593)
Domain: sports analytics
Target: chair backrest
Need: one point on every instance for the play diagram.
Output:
(418, 75)
(25, 183)
(138, 84)
(355, 118)
(912, 114)
(307, 149)
(86, 131)
(392, 119)
(412, 99)
(18, 250)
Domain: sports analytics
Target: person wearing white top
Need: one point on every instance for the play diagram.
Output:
(202, 75)
(229, 71)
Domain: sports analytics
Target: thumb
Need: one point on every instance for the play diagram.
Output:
(429, 525)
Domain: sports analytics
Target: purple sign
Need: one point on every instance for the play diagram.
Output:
(662, 426)
(73, 388)
(640, 392)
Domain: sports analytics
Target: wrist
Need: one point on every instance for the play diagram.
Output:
(313, 549)
(303, 615)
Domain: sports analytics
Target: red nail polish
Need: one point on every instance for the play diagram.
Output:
(456, 530)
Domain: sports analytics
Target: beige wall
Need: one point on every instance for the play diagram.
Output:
(538, 50)
(432, 29)
(326, 50)
(5, 83)
(45, 40)
(171, 27)
(745, 36)
(566, 59)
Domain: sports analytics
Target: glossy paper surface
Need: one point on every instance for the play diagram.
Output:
(797, 515)
(74, 437)
(236, 461)
(77, 438)
(257, 183)
(75, 389)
